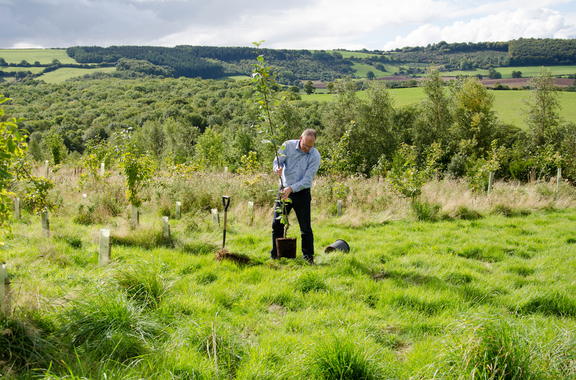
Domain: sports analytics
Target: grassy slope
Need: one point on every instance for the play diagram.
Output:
(65, 73)
(398, 297)
(44, 56)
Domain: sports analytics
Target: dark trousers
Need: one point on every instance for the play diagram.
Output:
(301, 205)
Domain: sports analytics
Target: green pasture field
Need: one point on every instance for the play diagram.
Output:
(527, 71)
(507, 104)
(487, 290)
(238, 77)
(362, 69)
(44, 56)
(62, 74)
(348, 54)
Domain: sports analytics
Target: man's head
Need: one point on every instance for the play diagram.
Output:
(307, 140)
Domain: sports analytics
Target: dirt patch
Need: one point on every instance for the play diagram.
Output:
(238, 258)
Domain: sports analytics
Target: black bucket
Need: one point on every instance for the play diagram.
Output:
(339, 245)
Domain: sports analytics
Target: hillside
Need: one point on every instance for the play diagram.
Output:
(295, 66)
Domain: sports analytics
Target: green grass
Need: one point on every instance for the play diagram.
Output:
(507, 104)
(362, 69)
(483, 291)
(44, 56)
(61, 75)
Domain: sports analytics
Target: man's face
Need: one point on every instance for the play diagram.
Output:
(307, 143)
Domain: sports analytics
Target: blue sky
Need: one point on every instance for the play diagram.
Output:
(296, 24)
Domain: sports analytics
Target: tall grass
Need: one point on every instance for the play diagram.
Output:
(485, 291)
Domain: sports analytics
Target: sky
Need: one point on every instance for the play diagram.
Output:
(282, 24)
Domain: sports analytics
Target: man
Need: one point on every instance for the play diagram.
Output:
(299, 162)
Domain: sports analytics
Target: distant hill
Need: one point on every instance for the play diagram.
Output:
(297, 66)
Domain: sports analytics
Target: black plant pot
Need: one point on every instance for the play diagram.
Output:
(339, 245)
(286, 247)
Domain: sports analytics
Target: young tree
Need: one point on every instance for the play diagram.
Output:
(12, 149)
(541, 112)
(435, 119)
(474, 120)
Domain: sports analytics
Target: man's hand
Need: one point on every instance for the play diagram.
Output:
(286, 193)
(279, 172)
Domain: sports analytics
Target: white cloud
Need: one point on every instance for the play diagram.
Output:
(504, 26)
(295, 24)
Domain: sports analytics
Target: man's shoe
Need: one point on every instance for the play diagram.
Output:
(309, 259)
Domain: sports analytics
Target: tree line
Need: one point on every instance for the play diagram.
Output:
(210, 123)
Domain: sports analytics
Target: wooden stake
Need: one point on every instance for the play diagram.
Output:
(558, 180)
(102, 169)
(339, 207)
(490, 182)
(178, 209)
(46, 169)
(165, 228)
(105, 249)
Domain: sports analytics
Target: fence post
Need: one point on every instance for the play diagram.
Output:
(45, 224)
(17, 214)
(178, 209)
(4, 290)
(105, 249)
(215, 217)
(490, 182)
(165, 228)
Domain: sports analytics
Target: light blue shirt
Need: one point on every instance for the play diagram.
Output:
(299, 168)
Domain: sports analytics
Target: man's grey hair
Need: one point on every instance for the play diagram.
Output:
(309, 132)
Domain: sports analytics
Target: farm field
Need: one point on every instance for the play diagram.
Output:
(44, 56)
(410, 300)
(64, 73)
(507, 104)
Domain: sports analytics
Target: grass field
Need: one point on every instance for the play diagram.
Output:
(44, 56)
(488, 290)
(507, 104)
(65, 73)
